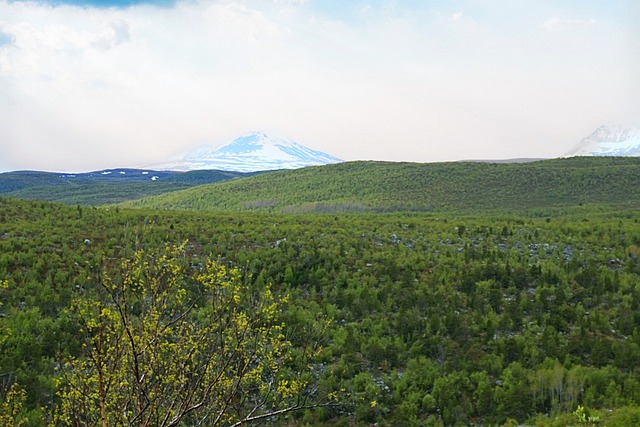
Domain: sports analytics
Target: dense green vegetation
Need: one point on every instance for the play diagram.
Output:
(425, 318)
(166, 343)
(382, 186)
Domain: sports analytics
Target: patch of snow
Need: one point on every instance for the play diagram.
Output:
(253, 152)
(610, 141)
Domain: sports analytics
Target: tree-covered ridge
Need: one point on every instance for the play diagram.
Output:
(433, 319)
(104, 187)
(386, 186)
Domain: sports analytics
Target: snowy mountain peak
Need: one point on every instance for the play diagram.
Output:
(254, 152)
(246, 144)
(615, 140)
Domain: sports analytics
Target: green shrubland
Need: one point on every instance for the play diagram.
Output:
(526, 315)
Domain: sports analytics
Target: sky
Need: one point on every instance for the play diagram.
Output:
(88, 84)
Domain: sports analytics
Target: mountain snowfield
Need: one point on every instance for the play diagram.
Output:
(252, 153)
(259, 152)
(610, 141)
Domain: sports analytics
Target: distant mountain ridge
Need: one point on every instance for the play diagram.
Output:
(104, 186)
(252, 153)
(610, 140)
(349, 186)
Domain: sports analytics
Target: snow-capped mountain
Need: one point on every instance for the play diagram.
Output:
(251, 153)
(610, 141)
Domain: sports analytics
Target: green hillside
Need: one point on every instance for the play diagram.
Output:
(386, 186)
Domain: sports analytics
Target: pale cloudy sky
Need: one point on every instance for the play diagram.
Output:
(87, 84)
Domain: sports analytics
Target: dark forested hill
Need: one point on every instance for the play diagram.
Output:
(386, 186)
(106, 186)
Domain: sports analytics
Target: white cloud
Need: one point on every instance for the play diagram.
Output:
(112, 35)
(290, 2)
(238, 20)
(364, 10)
(558, 22)
(456, 16)
(89, 88)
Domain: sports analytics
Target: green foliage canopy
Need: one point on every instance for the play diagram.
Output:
(167, 344)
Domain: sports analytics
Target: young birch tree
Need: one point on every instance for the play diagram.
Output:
(168, 344)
